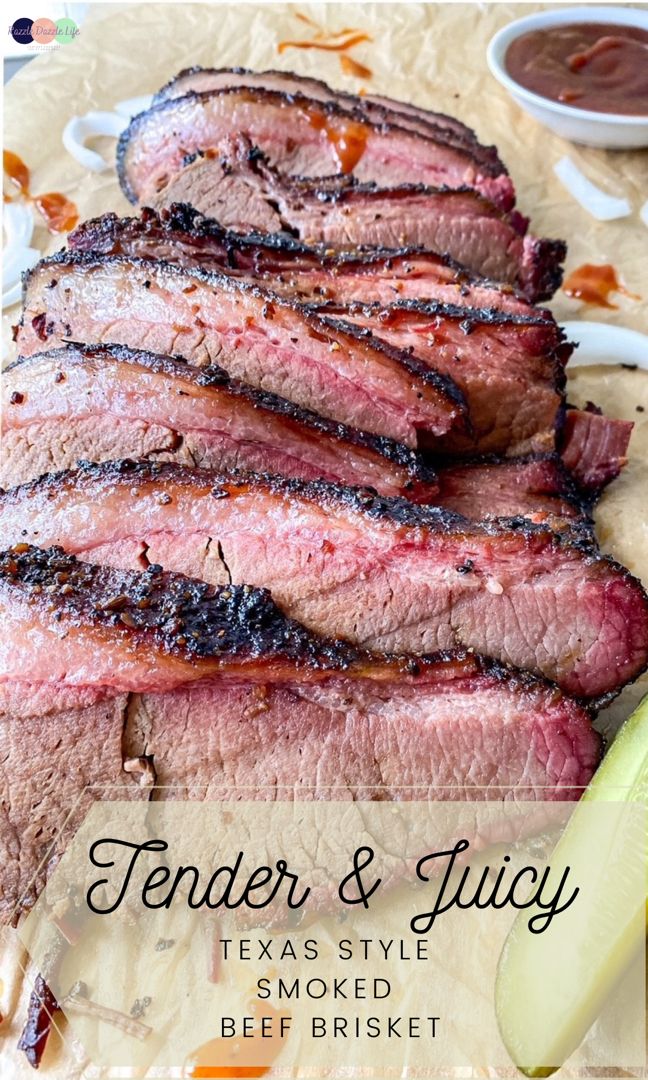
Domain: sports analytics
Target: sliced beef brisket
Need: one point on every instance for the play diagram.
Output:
(273, 344)
(509, 367)
(285, 265)
(538, 487)
(508, 364)
(382, 573)
(59, 749)
(377, 109)
(205, 658)
(594, 446)
(235, 184)
(103, 402)
(302, 136)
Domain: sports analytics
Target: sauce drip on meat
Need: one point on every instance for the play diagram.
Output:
(59, 213)
(597, 66)
(348, 140)
(222, 1057)
(594, 285)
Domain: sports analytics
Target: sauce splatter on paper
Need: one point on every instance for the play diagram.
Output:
(223, 1057)
(339, 41)
(59, 213)
(325, 46)
(594, 285)
(352, 67)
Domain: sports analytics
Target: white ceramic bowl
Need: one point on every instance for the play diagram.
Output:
(610, 130)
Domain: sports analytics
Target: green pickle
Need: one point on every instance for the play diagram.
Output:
(551, 987)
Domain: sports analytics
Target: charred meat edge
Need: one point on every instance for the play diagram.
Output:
(386, 108)
(568, 488)
(216, 378)
(96, 234)
(175, 614)
(545, 255)
(443, 384)
(254, 628)
(442, 137)
(184, 219)
(363, 502)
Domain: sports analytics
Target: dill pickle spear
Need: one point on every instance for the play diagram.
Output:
(551, 986)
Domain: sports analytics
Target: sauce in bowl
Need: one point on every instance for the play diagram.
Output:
(596, 66)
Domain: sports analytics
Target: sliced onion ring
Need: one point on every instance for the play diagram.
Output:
(605, 343)
(18, 224)
(80, 128)
(19, 260)
(598, 203)
(132, 106)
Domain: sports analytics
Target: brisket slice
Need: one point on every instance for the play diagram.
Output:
(459, 729)
(382, 573)
(507, 364)
(538, 487)
(230, 692)
(509, 367)
(58, 749)
(103, 402)
(301, 136)
(377, 109)
(234, 183)
(270, 343)
(594, 447)
(185, 237)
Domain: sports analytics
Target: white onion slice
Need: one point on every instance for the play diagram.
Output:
(80, 128)
(600, 205)
(133, 106)
(13, 265)
(604, 343)
(18, 224)
(17, 255)
(643, 213)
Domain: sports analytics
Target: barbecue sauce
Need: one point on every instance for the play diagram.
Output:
(352, 67)
(219, 1057)
(16, 170)
(596, 66)
(348, 140)
(59, 213)
(326, 46)
(594, 284)
(330, 42)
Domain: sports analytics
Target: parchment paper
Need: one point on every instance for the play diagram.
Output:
(432, 54)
